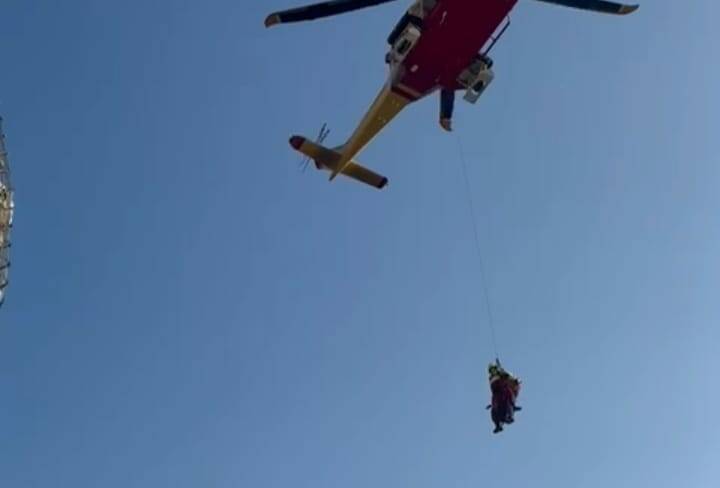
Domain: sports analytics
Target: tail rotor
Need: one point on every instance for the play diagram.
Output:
(322, 135)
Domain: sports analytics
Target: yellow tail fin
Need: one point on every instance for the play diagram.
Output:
(327, 159)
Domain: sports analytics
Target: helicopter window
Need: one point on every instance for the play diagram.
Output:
(403, 47)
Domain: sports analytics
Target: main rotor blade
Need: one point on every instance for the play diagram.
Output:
(318, 10)
(596, 6)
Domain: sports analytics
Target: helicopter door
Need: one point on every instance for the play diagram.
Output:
(404, 44)
(476, 78)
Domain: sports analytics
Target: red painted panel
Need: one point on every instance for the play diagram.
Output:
(452, 34)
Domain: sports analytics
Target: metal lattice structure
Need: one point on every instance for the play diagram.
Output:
(6, 216)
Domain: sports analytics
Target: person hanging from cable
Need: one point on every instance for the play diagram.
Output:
(505, 389)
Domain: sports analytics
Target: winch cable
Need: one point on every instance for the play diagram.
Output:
(476, 233)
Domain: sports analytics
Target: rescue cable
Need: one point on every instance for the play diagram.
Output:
(483, 280)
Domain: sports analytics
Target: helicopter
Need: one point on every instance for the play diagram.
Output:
(438, 45)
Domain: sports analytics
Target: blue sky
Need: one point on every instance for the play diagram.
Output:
(188, 309)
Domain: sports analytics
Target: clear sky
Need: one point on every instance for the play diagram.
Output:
(187, 309)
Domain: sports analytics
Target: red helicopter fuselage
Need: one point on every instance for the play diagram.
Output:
(453, 32)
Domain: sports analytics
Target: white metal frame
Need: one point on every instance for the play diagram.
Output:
(7, 208)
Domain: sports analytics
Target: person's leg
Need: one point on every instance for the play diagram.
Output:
(447, 106)
(497, 419)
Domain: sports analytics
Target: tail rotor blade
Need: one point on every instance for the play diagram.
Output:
(322, 135)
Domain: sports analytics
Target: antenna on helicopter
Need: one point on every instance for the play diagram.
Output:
(324, 131)
(496, 37)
